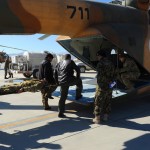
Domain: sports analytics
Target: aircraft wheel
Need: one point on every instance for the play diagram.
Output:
(27, 75)
(82, 69)
(35, 73)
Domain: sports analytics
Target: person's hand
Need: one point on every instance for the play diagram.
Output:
(43, 81)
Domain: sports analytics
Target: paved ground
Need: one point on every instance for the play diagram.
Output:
(24, 125)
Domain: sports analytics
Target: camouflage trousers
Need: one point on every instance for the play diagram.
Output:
(102, 103)
(27, 86)
(128, 79)
(45, 92)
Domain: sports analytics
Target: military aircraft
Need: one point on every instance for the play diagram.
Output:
(85, 26)
(3, 56)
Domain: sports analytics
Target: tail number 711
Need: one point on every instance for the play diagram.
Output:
(84, 12)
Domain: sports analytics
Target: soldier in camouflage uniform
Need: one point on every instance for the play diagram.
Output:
(26, 86)
(103, 95)
(129, 72)
(6, 67)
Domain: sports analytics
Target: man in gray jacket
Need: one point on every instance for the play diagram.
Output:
(64, 76)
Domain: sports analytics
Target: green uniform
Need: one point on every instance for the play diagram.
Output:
(6, 67)
(46, 91)
(103, 95)
(129, 72)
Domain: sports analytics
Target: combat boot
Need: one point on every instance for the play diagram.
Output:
(96, 120)
(46, 106)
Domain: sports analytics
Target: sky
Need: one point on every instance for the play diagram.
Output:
(31, 43)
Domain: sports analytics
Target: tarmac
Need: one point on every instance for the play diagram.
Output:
(24, 125)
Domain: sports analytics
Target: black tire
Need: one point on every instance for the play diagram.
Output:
(82, 69)
(27, 75)
(35, 73)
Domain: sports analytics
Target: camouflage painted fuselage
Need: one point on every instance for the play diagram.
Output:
(126, 27)
(3, 56)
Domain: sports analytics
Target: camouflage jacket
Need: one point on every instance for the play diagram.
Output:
(105, 73)
(129, 66)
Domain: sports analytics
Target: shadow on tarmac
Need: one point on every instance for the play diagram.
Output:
(33, 138)
(71, 108)
(78, 109)
(5, 105)
(124, 114)
(138, 143)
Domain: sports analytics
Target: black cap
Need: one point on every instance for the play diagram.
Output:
(49, 55)
(67, 56)
(101, 53)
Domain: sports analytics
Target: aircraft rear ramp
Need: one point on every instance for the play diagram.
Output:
(141, 88)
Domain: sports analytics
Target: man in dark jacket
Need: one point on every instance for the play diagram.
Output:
(64, 75)
(46, 74)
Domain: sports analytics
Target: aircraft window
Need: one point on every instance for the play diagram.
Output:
(113, 52)
(5, 54)
(117, 2)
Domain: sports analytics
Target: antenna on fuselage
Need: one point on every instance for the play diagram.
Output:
(13, 48)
